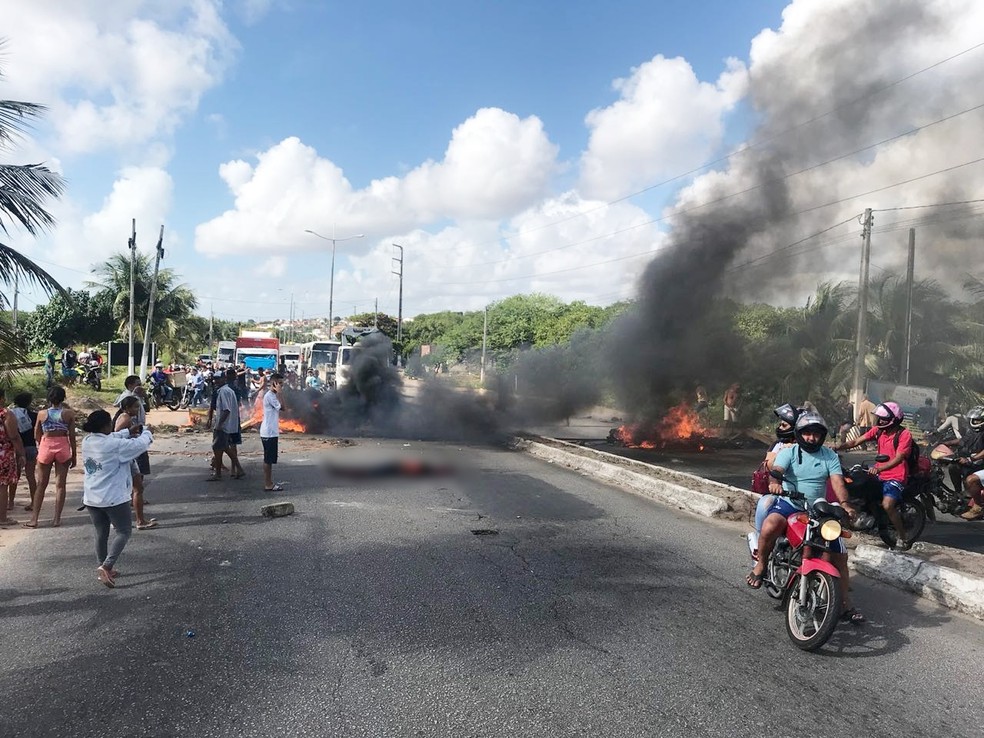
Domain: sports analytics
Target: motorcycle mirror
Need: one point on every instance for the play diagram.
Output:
(881, 458)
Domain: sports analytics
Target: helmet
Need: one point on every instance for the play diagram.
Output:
(810, 421)
(975, 416)
(888, 414)
(787, 418)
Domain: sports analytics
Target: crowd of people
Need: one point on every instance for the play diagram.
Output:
(114, 453)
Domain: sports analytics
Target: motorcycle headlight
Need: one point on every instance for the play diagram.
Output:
(830, 530)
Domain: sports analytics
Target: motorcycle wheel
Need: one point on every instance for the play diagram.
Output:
(913, 518)
(810, 624)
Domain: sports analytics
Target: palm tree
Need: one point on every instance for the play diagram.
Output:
(175, 302)
(23, 191)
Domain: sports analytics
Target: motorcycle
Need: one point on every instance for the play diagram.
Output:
(159, 398)
(865, 490)
(808, 585)
(941, 493)
(93, 376)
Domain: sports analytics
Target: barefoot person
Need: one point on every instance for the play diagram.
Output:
(128, 416)
(55, 434)
(26, 418)
(107, 485)
(11, 457)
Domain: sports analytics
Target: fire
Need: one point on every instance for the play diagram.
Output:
(293, 426)
(680, 424)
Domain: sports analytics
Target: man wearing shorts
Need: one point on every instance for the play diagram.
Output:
(226, 434)
(270, 430)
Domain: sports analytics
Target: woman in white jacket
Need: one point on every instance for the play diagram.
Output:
(107, 485)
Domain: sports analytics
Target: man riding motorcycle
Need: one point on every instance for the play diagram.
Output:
(807, 465)
(160, 379)
(970, 454)
(895, 442)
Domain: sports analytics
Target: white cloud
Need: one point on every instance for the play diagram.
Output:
(275, 266)
(666, 122)
(495, 165)
(115, 74)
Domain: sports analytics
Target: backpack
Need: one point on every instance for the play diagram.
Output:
(912, 460)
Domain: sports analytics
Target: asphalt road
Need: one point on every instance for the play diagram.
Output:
(375, 611)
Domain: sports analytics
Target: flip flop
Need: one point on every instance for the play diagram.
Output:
(152, 523)
(7, 523)
(214, 478)
(754, 580)
(275, 488)
(30, 525)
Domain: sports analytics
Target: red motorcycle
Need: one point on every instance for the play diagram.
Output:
(808, 585)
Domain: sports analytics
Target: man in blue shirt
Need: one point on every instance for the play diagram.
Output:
(807, 466)
(159, 377)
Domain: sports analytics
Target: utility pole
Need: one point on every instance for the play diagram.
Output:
(375, 314)
(485, 339)
(859, 370)
(909, 283)
(133, 254)
(150, 308)
(290, 331)
(399, 310)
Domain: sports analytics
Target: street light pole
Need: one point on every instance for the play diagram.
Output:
(331, 283)
(399, 314)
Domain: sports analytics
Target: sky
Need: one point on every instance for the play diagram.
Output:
(508, 147)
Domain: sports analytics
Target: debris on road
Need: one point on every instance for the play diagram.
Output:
(277, 510)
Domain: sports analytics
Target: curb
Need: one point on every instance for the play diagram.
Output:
(941, 584)
(668, 493)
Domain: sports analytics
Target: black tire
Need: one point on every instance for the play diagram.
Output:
(811, 626)
(913, 517)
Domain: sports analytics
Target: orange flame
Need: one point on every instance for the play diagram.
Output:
(680, 424)
(292, 426)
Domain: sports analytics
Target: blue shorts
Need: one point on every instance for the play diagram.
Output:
(893, 489)
(785, 508)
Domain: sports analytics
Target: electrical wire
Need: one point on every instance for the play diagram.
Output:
(863, 98)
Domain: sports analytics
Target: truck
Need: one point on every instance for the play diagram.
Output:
(323, 356)
(258, 353)
(225, 354)
(290, 357)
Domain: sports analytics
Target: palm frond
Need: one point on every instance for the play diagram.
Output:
(13, 263)
(23, 189)
(14, 116)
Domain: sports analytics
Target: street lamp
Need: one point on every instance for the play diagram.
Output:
(331, 284)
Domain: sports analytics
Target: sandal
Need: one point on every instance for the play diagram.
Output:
(853, 616)
(275, 488)
(754, 580)
(152, 523)
(214, 478)
(7, 523)
(105, 577)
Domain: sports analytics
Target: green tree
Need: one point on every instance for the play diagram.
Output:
(175, 302)
(24, 188)
(385, 323)
(73, 318)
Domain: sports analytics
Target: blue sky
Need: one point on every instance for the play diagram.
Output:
(448, 127)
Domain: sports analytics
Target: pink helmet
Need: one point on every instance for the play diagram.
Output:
(888, 414)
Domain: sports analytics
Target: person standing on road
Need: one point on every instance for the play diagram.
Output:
(133, 387)
(865, 415)
(26, 418)
(732, 398)
(270, 430)
(49, 368)
(11, 458)
(107, 485)
(127, 417)
(55, 434)
(226, 433)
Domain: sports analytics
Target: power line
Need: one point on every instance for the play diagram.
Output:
(723, 198)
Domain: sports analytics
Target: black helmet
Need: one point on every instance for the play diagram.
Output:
(787, 419)
(810, 421)
(975, 416)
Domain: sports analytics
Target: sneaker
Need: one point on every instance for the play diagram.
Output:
(976, 512)
(902, 545)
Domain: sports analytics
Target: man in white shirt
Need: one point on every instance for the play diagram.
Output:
(226, 433)
(270, 430)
